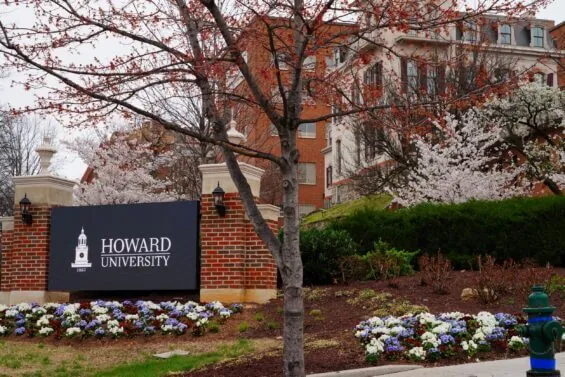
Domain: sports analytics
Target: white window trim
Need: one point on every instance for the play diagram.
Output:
(545, 39)
(307, 135)
(512, 37)
(315, 175)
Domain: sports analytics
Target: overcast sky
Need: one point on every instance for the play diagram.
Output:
(73, 168)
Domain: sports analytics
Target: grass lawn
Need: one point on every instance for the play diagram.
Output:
(374, 201)
(22, 359)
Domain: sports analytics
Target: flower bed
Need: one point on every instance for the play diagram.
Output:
(111, 318)
(428, 337)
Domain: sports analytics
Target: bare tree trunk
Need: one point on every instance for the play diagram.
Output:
(292, 272)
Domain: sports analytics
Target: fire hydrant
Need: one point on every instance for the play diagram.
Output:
(543, 331)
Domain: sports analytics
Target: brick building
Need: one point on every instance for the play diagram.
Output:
(260, 133)
(558, 35)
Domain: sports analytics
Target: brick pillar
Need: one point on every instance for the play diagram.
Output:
(25, 252)
(235, 265)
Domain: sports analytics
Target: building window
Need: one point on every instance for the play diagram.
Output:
(432, 81)
(412, 72)
(307, 130)
(329, 134)
(537, 36)
(273, 130)
(304, 209)
(335, 117)
(283, 59)
(470, 32)
(373, 76)
(307, 173)
(309, 63)
(539, 78)
(355, 93)
(329, 176)
(338, 155)
(505, 35)
(340, 55)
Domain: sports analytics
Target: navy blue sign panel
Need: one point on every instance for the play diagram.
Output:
(149, 246)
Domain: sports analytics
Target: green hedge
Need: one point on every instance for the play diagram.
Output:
(525, 228)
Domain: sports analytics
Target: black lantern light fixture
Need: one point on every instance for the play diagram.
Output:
(218, 195)
(25, 204)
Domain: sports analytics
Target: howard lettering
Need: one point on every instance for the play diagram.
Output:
(136, 245)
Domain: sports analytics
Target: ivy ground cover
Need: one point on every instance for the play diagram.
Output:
(111, 318)
(427, 337)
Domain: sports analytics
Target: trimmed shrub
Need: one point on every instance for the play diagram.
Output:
(322, 253)
(518, 229)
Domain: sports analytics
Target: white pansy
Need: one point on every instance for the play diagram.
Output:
(442, 328)
(44, 320)
(392, 321)
(167, 328)
(11, 313)
(113, 323)
(193, 316)
(116, 330)
(45, 331)
(162, 317)
(24, 307)
(103, 318)
(397, 330)
(200, 308)
(99, 309)
(417, 353)
(132, 317)
(201, 322)
(72, 331)
(516, 340)
(3, 330)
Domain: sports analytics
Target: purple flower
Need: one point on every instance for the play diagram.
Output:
(84, 312)
(99, 332)
(20, 322)
(446, 339)
(20, 330)
(60, 310)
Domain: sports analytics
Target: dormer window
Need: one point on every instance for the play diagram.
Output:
(505, 35)
(340, 55)
(537, 36)
(470, 32)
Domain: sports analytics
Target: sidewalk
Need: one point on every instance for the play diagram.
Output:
(500, 368)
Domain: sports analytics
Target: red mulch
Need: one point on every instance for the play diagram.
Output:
(339, 318)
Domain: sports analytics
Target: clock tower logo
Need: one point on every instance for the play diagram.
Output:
(81, 254)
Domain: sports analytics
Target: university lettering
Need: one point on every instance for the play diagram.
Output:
(120, 261)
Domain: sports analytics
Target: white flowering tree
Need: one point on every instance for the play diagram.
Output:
(463, 165)
(125, 171)
(533, 126)
(503, 149)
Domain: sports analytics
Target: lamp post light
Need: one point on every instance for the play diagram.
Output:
(25, 204)
(218, 196)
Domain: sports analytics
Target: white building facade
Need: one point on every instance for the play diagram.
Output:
(422, 63)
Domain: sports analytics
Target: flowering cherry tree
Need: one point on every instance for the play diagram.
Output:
(463, 165)
(532, 122)
(501, 150)
(125, 171)
(154, 55)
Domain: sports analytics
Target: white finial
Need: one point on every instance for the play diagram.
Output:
(45, 152)
(234, 136)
